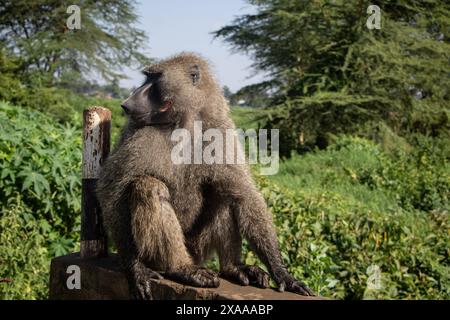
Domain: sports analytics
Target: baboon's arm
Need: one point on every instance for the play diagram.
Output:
(256, 225)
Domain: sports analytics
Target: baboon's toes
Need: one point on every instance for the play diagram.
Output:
(301, 288)
(142, 291)
(140, 286)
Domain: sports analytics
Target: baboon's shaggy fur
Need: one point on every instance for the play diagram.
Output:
(170, 218)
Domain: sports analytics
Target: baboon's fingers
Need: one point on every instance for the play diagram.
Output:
(257, 276)
(205, 278)
(263, 280)
(195, 276)
(236, 274)
(300, 287)
(241, 277)
(208, 271)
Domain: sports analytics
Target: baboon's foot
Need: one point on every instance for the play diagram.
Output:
(139, 282)
(194, 276)
(245, 275)
(286, 281)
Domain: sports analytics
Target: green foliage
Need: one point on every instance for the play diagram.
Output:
(330, 74)
(40, 189)
(247, 118)
(41, 160)
(420, 178)
(10, 87)
(344, 209)
(25, 257)
(338, 211)
(36, 31)
(416, 179)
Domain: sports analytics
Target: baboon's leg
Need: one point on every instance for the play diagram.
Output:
(158, 237)
(155, 227)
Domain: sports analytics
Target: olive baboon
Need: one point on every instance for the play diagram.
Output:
(170, 217)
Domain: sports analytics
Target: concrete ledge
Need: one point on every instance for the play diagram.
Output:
(101, 279)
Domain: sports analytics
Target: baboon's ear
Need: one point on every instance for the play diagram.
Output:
(195, 74)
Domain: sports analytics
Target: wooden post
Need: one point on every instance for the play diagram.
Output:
(96, 144)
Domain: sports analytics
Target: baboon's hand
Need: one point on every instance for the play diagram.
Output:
(286, 281)
(139, 283)
(194, 276)
(245, 275)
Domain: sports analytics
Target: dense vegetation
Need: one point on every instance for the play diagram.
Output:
(39, 200)
(364, 181)
(328, 74)
(377, 198)
(351, 206)
(338, 211)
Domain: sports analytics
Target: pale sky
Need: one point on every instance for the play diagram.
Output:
(173, 26)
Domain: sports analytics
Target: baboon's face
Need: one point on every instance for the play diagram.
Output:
(165, 95)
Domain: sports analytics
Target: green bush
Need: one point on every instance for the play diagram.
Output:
(420, 178)
(338, 212)
(343, 210)
(24, 255)
(40, 189)
(331, 241)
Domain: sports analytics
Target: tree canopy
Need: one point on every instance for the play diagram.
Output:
(36, 30)
(331, 74)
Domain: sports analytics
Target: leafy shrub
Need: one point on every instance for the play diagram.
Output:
(342, 210)
(24, 256)
(338, 212)
(359, 168)
(40, 163)
(331, 241)
(420, 178)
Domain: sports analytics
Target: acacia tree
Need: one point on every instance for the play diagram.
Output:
(36, 31)
(330, 73)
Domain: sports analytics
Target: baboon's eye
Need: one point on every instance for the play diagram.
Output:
(195, 74)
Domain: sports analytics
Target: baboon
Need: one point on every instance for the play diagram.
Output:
(167, 218)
